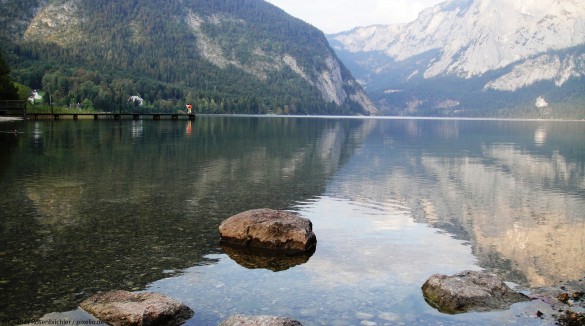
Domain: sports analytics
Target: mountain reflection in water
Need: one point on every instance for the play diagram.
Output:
(518, 199)
(91, 206)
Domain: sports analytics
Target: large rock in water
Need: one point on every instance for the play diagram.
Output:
(123, 308)
(269, 229)
(469, 291)
(241, 320)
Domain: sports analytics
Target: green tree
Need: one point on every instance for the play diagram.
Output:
(87, 104)
(24, 92)
(7, 89)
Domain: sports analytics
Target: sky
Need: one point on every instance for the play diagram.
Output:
(332, 16)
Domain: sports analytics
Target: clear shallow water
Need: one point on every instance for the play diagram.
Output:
(91, 206)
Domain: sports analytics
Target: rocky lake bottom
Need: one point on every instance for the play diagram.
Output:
(92, 206)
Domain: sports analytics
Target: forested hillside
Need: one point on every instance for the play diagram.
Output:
(222, 56)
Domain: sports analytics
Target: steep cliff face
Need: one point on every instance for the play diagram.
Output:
(545, 67)
(56, 22)
(482, 35)
(333, 86)
(202, 45)
(496, 45)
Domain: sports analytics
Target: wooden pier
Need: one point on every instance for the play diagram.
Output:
(115, 116)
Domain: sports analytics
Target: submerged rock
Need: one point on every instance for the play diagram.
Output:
(566, 297)
(241, 320)
(254, 258)
(123, 308)
(269, 229)
(571, 318)
(469, 291)
(563, 297)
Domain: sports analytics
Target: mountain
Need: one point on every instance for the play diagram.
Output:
(223, 56)
(475, 58)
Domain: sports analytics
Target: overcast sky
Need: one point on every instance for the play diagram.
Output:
(332, 16)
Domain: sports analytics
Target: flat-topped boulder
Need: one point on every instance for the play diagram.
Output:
(123, 308)
(270, 229)
(469, 291)
(241, 320)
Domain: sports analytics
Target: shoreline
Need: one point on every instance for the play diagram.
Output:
(378, 117)
(10, 119)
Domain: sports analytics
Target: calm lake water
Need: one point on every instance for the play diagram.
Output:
(89, 206)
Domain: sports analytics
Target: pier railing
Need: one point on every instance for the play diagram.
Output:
(13, 108)
(115, 116)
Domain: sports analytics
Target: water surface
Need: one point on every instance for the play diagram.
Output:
(88, 206)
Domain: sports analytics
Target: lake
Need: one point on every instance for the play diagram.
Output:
(89, 206)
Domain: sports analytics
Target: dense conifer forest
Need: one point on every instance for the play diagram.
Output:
(119, 49)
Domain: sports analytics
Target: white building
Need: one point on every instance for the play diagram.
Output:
(34, 97)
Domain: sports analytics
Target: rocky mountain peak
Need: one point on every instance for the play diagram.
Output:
(476, 36)
(503, 45)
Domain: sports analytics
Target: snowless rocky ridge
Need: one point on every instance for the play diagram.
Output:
(473, 37)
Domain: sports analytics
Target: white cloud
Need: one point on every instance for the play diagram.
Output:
(336, 16)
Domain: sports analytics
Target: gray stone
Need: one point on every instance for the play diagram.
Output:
(241, 320)
(123, 308)
(269, 229)
(469, 291)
